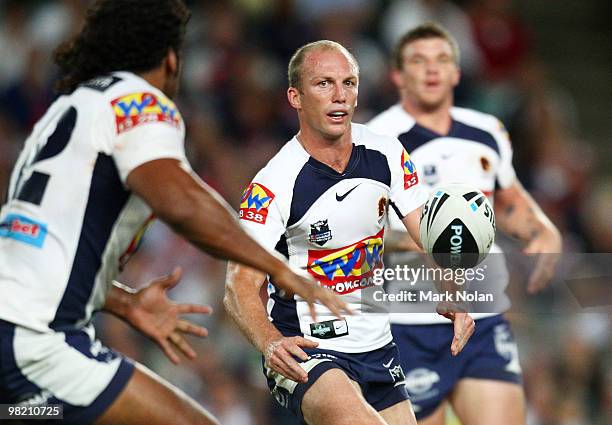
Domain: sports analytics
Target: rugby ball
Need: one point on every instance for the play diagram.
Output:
(457, 226)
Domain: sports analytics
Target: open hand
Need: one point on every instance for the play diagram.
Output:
(158, 317)
(463, 324)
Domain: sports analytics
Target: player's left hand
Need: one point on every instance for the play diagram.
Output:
(547, 247)
(158, 317)
(463, 324)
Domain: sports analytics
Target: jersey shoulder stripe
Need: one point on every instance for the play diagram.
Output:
(393, 121)
(475, 134)
(461, 128)
(474, 118)
(484, 122)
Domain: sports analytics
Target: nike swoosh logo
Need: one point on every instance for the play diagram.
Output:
(340, 198)
(389, 364)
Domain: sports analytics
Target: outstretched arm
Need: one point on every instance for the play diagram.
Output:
(518, 215)
(195, 211)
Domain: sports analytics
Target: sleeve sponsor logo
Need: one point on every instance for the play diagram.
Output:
(410, 175)
(23, 229)
(141, 108)
(254, 204)
(349, 268)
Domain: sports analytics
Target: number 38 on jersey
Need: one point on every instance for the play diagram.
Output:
(254, 204)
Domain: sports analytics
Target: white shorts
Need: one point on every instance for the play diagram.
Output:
(71, 368)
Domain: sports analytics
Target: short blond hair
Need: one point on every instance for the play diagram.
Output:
(294, 72)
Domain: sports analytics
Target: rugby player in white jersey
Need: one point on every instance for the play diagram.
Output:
(450, 144)
(322, 201)
(105, 159)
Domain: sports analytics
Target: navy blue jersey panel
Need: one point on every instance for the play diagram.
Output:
(464, 131)
(107, 197)
(282, 247)
(418, 135)
(284, 315)
(316, 178)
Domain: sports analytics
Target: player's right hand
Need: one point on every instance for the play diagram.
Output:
(279, 356)
(307, 288)
(159, 318)
(463, 324)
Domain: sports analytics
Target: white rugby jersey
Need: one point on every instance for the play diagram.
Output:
(69, 224)
(332, 225)
(476, 151)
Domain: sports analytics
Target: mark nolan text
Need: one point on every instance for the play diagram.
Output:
(453, 297)
(433, 296)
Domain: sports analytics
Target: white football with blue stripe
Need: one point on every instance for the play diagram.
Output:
(457, 225)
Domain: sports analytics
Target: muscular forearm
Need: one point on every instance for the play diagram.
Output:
(519, 216)
(119, 300)
(243, 304)
(215, 229)
(197, 212)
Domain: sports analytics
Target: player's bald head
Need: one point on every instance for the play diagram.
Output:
(299, 58)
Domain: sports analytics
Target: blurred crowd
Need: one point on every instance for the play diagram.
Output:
(233, 101)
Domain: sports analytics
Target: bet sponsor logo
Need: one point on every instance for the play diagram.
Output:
(23, 229)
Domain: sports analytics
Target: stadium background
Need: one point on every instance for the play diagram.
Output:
(543, 67)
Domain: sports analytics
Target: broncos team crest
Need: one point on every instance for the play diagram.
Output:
(410, 175)
(254, 204)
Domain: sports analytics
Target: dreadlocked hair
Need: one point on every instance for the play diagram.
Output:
(121, 35)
